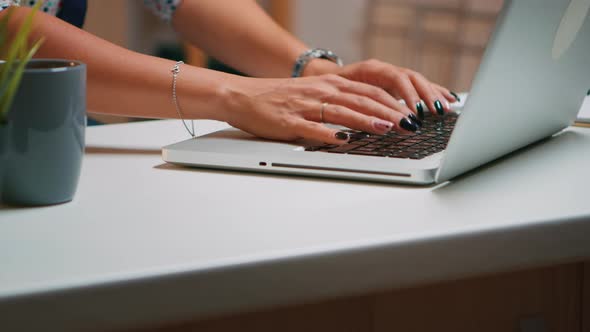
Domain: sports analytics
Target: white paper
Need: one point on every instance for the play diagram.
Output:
(584, 115)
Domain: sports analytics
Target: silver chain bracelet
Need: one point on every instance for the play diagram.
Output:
(175, 71)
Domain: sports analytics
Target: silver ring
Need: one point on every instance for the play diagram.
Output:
(324, 105)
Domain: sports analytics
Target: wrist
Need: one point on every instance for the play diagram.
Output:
(320, 67)
(305, 59)
(203, 93)
(237, 93)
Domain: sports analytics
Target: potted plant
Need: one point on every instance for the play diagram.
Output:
(42, 120)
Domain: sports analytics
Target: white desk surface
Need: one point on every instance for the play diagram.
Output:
(144, 242)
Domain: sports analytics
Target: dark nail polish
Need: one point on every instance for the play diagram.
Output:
(439, 108)
(456, 96)
(420, 109)
(408, 125)
(588, 93)
(415, 119)
(341, 136)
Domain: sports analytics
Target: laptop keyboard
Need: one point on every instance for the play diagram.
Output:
(430, 139)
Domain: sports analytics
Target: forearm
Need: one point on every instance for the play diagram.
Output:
(242, 35)
(122, 82)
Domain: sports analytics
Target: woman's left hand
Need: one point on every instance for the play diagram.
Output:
(401, 83)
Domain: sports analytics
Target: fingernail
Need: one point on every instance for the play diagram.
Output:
(341, 136)
(420, 110)
(413, 117)
(456, 96)
(439, 108)
(382, 125)
(408, 125)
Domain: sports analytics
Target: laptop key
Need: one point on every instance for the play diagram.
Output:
(365, 153)
(359, 135)
(343, 148)
(405, 144)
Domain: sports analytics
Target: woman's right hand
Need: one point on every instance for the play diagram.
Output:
(289, 109)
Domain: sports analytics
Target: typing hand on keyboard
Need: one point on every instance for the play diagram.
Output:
(430, 139)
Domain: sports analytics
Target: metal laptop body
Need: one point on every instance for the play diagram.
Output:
(530, 85)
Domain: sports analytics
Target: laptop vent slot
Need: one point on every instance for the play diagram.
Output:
(331, 169)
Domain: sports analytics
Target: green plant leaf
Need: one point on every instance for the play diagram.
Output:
(20, 41)
(8, 95)
(4, 30)
(18, 51)
(23, 50)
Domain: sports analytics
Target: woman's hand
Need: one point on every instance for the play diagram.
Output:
(401, 83)
(288, 109)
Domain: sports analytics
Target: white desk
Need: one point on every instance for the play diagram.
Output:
(144, 242)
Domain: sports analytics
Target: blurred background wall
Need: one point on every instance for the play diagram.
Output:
(444, 39)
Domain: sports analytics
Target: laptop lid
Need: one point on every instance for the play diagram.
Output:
(532, 80)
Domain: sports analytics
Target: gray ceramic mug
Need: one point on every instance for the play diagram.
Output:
(44, 134)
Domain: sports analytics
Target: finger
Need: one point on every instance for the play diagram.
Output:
(370, 107)
(448, 94)
(392, 85)
(345, 116)
(433, 99)
(407, 91)
(318, 132)
(377, 94)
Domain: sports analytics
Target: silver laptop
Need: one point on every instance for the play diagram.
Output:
(530, 85)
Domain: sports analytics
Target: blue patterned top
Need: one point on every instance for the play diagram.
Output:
(164, 9)
(74, 11)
